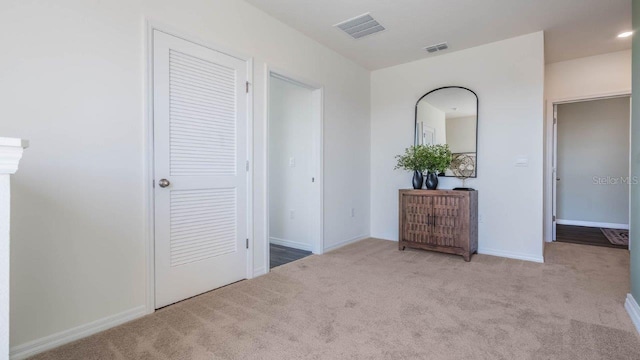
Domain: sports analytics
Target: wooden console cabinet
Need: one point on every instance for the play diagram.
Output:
(439, 220)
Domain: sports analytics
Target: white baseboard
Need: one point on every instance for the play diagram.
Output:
(37, 346)
(592, 224)
(501, 253)
(345, 242)
(259, 272)
(511, 255)
(633, 310)
(291, 244)
(379, 238)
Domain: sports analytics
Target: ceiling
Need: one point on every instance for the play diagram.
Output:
(573, 28)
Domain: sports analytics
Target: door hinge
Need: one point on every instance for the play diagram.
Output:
(247, 86)
(247, 165)
(554, 218)
(247, 243)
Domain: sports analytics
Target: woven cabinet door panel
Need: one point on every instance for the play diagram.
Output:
(417, 213)
(449, 220)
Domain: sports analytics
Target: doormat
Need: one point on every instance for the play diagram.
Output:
(617, 236)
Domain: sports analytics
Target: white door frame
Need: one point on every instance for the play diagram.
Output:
(550, 136)
(148, 164)
(318, 126)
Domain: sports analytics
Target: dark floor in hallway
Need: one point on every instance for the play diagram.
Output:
(583, 235)
(281, 255)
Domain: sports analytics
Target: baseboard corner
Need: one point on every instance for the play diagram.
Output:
(511, 255)
(633, 310)
(52, 341)
(291, 244)
(345, 242)
(259, 272)
(593, 224)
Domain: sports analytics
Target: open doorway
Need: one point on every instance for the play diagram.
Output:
(294, 174)
(591, 176)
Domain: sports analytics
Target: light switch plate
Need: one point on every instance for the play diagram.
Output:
(522, 162)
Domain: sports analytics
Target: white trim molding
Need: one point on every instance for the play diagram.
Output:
(345, 242)
(148, 160)
(549, 177)
(317, 230)
(291, 244)
(10, 154)
(633, 310)
(511, 255)
(260, 271)
(592, 224)
(52, 341)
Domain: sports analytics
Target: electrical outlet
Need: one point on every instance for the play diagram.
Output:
(292, 162)
(480, 220)
(292, 214)
(353, 212)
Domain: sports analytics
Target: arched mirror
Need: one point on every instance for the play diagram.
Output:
(449, 115)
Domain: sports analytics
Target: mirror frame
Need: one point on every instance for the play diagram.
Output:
(415, 121)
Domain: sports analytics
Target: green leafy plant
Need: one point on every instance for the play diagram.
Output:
(438, 158)
(413, 159)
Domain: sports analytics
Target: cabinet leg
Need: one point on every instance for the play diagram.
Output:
(400, 247)
(467, 257)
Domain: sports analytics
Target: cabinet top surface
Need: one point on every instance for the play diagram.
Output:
(433, 192)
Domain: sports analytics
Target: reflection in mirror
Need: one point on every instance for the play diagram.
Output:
(449, 115)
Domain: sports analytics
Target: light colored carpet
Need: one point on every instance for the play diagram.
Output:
(371, 301)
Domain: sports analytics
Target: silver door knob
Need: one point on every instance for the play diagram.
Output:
(164, 183)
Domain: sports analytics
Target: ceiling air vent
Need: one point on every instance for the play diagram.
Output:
(360, 26)
(437, 47)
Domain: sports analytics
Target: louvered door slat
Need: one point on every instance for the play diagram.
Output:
(215, 143)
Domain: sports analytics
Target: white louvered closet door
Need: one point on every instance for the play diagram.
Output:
(200, 149)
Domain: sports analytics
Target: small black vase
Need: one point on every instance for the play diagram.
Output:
(417, 179)
(432, 180)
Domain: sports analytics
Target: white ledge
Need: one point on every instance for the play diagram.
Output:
(10, 154)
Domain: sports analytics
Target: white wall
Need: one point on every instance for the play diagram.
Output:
(508, 77)
(290, 137)
(433, 118)
(73, 82)
(461, 134)
(593, 160)
(583, 78)
(588, 76)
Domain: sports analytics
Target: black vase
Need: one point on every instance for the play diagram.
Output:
(417, 179)
(432, 180)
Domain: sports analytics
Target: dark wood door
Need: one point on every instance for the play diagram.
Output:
(448, 220)
(418, 214)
